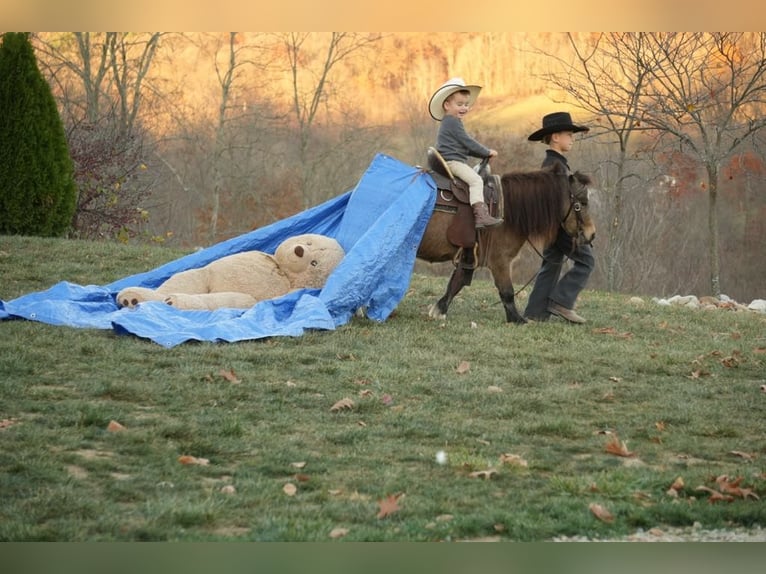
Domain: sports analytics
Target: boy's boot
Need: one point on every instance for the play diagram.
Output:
(482, 218)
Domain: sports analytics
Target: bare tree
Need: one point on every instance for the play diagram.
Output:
(100, 80)
(311, 88)
(706, 93)
(108, 66)
(226, 75)
(130, 58)
(605, 76)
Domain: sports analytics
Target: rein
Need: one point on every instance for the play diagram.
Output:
(575, 206)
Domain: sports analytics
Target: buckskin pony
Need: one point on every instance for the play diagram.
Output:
(534, 205)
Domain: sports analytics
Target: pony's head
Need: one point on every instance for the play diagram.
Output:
(578, 222)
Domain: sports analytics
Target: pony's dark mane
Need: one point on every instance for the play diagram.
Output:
(534, 201)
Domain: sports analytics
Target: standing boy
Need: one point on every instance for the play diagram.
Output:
(449, 104)
(549, 294)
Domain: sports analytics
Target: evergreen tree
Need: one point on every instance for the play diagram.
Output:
(37, 190)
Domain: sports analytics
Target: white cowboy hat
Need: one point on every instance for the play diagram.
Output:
(436, 105)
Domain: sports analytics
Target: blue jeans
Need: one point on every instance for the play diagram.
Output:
(548, 288)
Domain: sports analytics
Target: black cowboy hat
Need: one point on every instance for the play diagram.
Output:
(554, 123)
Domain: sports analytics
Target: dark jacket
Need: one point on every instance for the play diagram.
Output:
(552, 156)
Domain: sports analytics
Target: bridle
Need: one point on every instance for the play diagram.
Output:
(575, 206)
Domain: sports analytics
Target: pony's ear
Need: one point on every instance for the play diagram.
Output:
(583, 178)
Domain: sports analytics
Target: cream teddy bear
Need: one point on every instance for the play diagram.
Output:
(242, 279)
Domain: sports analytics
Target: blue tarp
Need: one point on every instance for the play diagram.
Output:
(379, 224)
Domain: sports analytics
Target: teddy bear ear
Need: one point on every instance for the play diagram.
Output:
(299, 250)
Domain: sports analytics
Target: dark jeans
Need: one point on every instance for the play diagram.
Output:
(548, 288)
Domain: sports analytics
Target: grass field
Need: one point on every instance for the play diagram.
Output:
(645, 417)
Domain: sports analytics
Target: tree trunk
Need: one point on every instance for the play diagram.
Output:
(712, 221)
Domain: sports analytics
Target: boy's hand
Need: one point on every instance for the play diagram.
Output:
(492, 153)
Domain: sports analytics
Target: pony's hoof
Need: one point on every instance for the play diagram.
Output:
(434, 313)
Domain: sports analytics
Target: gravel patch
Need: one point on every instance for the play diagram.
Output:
(689, 534)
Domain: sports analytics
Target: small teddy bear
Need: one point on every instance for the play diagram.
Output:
(242, 279)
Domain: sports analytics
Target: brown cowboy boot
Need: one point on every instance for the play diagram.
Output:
(482, 218)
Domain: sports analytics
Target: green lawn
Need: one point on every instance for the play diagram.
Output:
(524, 414)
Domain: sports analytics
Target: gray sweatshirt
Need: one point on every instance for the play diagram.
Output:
(453, 143)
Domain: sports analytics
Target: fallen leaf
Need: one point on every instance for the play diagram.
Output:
(290, 489)
(114, 426)
(463, 367)
(299, 464)
(388, 505)
(338, 532)
(615, 379)
(343, 404)
(745, 455)
(494, 389)
(732, 487)
(660, 426)
(618, 447)
(365, 393)
(605, 331)
(187, 459)
(5, 423)
(228, 489)
(600, 512)
(513, 460)
(730, 362)
(229, 376)
(614, 332)
(678, 484)
(300, 477)
(387, 399)
(485, 474)
(715, 496)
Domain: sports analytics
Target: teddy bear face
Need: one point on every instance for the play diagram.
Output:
(308, 259)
